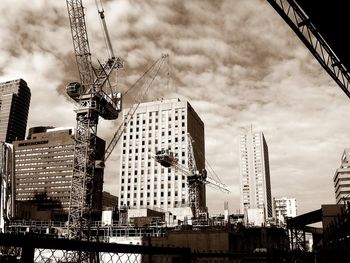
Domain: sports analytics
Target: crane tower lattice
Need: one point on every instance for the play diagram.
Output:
(94, 100)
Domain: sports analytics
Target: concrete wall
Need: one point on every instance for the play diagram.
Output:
(241, 240)
(196, 240)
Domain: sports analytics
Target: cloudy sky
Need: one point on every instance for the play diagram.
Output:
(236, 62)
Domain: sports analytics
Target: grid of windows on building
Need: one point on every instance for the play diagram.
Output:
(155, 126)
(284, 208)
(14, 107)
(254, 171)
(341, 179)
(44, 165)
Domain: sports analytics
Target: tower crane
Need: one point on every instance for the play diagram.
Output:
(95, 98)
(196, 179)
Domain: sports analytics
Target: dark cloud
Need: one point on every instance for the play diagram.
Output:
(236, 61)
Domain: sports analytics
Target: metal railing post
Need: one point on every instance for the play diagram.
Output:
(27, 254)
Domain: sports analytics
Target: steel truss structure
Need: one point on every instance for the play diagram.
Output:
(195, 181)
(303, 27)
(93, 101)
(297, 239)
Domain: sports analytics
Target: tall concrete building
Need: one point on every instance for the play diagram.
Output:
(144, 183)
(341, 179)
(43, 165)
(255, 173)
(14, 108)
(284, 208)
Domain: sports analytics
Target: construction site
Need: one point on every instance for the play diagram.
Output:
(53, 204)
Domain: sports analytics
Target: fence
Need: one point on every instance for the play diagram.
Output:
(29, 248)
(34, 248)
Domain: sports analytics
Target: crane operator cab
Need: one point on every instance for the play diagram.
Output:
(166, 158)
(73, 90)
(204, 174)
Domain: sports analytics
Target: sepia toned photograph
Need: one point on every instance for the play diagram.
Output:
(174, 131)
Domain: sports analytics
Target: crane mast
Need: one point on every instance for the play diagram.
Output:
(195, 181)
(94, 100)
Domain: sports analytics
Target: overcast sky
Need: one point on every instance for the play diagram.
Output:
(236, 62)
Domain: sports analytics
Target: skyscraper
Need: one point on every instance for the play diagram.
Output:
(255, 173)
(44, 166)
(144, 183)
(14, 108)
(341, 179)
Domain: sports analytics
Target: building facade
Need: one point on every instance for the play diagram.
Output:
(43, 165)
(144, 183)
(341, 179)
(14, 107)
(255, 173)
(284, 208)
(109, 200)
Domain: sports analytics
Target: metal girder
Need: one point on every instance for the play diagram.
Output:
(80, 43)
(83, 172)
(93, 101)
(303, 27)
(194, 183)
(195, 180)
(297, 239)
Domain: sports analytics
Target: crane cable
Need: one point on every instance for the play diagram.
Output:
(100, 11)
(132, 110)
(146, 72)
(210, 170)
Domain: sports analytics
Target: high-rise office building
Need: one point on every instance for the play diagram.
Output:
(14, 108)
(43, 165)
(284, 208)
(255, 173)
(341, 179)
(144, 183)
